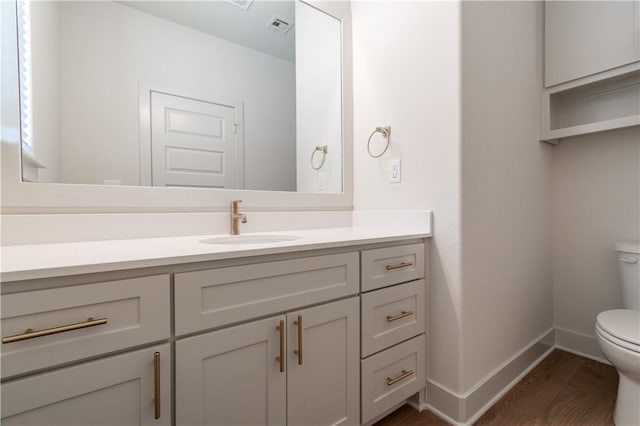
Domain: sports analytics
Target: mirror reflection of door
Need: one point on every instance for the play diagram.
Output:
(195, 143)
(85, 91)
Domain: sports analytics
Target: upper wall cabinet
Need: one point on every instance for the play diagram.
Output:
(591, 68)
(587, 37)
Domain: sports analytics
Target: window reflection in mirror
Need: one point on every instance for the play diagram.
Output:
(181, 94)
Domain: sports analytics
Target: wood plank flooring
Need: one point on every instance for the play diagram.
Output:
(564, 389)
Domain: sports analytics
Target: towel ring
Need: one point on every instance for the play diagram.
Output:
(386, 132)
(323, 149)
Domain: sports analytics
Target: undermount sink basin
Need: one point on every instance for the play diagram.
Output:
(251, 239)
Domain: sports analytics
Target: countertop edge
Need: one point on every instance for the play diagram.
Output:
(104, 267)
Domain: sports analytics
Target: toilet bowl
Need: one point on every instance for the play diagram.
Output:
(618, 335)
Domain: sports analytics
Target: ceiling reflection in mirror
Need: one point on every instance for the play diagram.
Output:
(215, 94)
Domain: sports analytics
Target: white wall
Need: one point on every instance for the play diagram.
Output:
(318, 99)
(506, 187)
(596, 202)
(459, 85)
(406, 63)
(119, 47)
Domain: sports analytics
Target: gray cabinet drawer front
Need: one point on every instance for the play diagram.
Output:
(392, 365)
(392, 265)
(212, 298)
(136, 312)
(392, 315)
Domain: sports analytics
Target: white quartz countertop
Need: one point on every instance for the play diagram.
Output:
(26, 262)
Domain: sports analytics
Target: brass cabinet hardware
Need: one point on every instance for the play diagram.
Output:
(156, 382)
(298, 351)
(280, 327)
(30, 334)
(399, 265)
(404, 375)
(391, 318)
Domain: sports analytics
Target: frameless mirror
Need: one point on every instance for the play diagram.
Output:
(235, 94)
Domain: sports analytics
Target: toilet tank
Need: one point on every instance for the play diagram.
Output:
(629, 264)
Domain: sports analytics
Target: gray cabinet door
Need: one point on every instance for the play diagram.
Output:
(587, 37)
(232, 376)
(118, 390)
(324, 389)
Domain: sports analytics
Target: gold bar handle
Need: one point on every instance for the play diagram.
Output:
(298, 351)
(398, 266)
(30, 334)
(280, 327)
(402, 376)
(156, 382)
(391, 318)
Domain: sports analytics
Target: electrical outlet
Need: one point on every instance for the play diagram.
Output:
(395, 173)
(322, 181)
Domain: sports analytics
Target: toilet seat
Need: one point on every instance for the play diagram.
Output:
(621, 327)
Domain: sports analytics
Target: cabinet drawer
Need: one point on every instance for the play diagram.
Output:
(392, 315)
(125, 313)
(117, 390)
(392, 376)
(392, 265)
(212, 298)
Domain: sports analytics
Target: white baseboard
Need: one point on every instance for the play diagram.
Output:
(579, 344)
(467, 408)
(445, 403)
(479, 413)
(443, 416)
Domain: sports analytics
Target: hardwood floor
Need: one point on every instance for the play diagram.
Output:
(564, 389)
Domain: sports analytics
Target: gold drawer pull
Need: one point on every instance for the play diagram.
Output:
(156, 383)
(298, 351)
(391, 318)
(398, 265)
(30, 334)
(280, 358)
(402, 376)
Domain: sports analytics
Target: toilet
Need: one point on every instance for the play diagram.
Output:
(618, 334)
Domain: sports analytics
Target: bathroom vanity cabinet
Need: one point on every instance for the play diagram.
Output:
(329, 336)
(300, 367)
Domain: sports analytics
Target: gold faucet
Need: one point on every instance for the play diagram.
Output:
(235, 217)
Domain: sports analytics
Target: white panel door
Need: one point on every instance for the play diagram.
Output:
(232, 376)
(324, 386)
(195, 143)
(118, 390)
